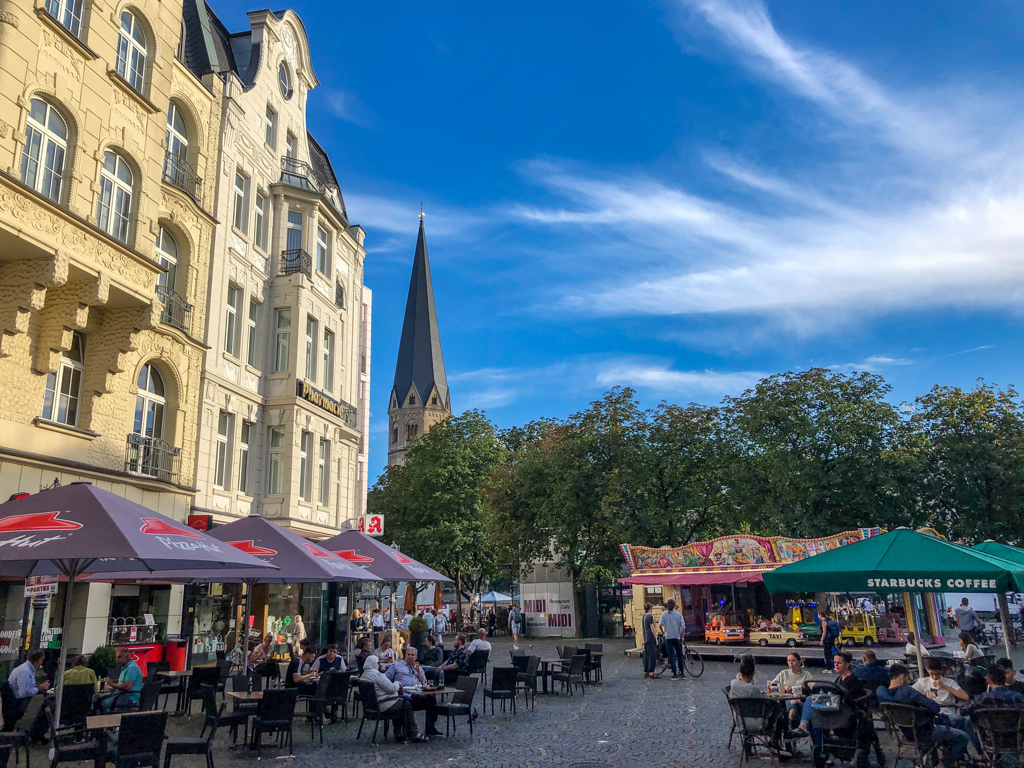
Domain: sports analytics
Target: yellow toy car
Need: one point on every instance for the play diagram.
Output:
(860, 630)
(778, 637)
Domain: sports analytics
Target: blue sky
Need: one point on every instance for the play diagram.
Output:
(681, 195)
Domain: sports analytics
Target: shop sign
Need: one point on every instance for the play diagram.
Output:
(371, 525)
(311, 394)
(37, 586)
(201, 522)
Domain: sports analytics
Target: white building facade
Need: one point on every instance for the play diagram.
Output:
(284, 411)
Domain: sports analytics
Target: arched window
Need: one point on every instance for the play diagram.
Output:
(68, 13)
(64, 388)
(115, 207)
(177, 132)
(167, 255)
(46, 146)
(131, 51)
(149, 403)
(284, 77)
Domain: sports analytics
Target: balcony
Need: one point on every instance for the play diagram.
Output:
(178, 173)
(295, 261)
(299, 174)
(339, 296)
(153, 457)
(177, 311)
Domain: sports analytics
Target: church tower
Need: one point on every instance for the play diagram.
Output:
(419, 398)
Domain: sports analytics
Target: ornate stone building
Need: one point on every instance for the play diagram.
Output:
(420, 396)
(289, 336)
(108, 146)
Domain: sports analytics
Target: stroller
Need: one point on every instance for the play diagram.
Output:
(844, 730)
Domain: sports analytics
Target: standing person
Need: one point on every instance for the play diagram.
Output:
(830, 631)
(428, 616)
(515, 621)
(440, 627)
(967, 618)
(673, 627)
(650, 641)
(376, 625)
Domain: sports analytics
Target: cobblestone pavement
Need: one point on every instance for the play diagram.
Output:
(626, 720)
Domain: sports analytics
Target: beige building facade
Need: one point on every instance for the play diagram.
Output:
(283, 412)
(108, 161)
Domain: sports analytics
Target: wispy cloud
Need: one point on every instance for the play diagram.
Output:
(928, 214)
(391, 220)
(346, 106)
(660, 378)
(873, 363)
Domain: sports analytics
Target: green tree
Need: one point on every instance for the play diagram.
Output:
(433, 505)
(817, 452)
(972, 479)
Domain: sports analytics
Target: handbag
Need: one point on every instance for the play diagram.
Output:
(825, 702)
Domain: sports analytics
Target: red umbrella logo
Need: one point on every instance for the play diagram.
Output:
(403, 559)
(352, 557)
(156, 527)
(38, 521)
(317, 552)
(251, 549)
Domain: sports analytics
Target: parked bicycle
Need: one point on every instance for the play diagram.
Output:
(694, 662)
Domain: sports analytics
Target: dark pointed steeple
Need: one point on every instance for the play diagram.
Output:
(420, 362)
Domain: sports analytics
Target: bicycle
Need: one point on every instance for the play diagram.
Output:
(694, 663)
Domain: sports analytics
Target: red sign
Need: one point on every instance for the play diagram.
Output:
(352, 557)
(156, 527)
(201, 522)
(403, 559)
(38, 521)
(251, 549)
(317, 552)
(372, 525)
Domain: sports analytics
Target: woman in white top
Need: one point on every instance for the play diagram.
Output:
(911, 648)
(792, 679)
(385, 654)
(970, 650)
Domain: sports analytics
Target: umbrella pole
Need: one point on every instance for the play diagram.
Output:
(1004, 614)
(72, 572)
(908, 606)
(394, 631)
(243, 635)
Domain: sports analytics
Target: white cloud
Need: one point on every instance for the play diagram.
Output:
(662, 379)
(391, 221)
(344, 105)
(873, 363)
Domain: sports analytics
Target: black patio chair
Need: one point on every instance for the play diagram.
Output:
(527, 680)
(519, 662)
(373, 712)
(200, 676)
(190, 745)
(517, 655)
(907, 723)
(572, 676)
(587, 669)
(1001, 734)
(337, 693)
(566, 652)
(460, 705)
(477, 665)
(9, 707)
(757, 723)
(155, 669)
(140, 738)
(275, 715)
(504, 681)
(21, 735)
(735, 717)
(67, 744)
(152, 687)
(212, 715)
(5, 754)
(316, 706)
(224, 671)
(77, 704)
(595, 661)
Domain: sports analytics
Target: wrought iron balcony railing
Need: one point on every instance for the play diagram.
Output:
(296, 260)
(297, 173)
(178, 173)
(153, 457)
(177, 311)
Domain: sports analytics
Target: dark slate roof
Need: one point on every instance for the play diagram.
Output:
(420, 361)
(200, 51)
(323, 170)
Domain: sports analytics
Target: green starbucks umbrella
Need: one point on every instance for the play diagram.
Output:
(899, 561)
(1005, 551)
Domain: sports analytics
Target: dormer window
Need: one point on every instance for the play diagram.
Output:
(433, 400)
(412, 399)
(285, 79)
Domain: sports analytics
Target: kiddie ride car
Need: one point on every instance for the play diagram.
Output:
(861, 630)
(724, 628)
(775, 634)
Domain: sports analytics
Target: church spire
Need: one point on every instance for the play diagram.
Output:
(419, 397)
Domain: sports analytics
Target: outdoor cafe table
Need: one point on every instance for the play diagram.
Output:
(546, 671)
(244, 696)
(101, 723)
(182, 676)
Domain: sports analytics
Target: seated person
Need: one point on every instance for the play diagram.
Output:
(410, 674)
(871, 672)
(389, 697)
(126, 689)
(330, 661)
(911, 648)
(81, 674)
(432, 656)
(480, 643)
(1011, 676)
(363, 650)
(301, 674)
(742, 686)
(303, 645)
(998, 693)
(852, 686)
(944, 691)
(952, 740)
(385, 654)
(22, 682)
(969, 648)
(792, 680)
(458, 662)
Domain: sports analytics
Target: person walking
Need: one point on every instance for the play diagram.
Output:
(967, 618)
(673, 627)
(650, 639)
(830, 631)
(515, 621)
(440, 627)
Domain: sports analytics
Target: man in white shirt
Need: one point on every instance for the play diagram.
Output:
(440, 627)
(428, 617)
(23, 680)
(673, 627)
(480, 644)
(944, 691)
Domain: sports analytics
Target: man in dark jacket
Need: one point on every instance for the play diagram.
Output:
(953, 741)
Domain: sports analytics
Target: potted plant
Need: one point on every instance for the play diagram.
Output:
(102, 660)
(417, 632)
